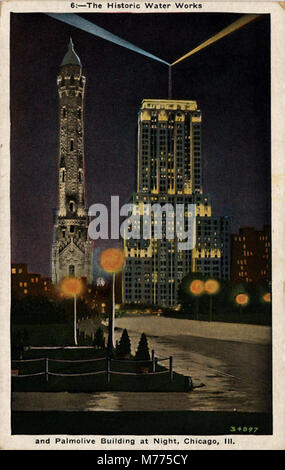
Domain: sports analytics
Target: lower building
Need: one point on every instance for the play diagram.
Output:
(251, 255)
(155, 267)
(24, 283)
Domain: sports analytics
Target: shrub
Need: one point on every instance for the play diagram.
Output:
(142, 353)
(99, 340)
(124, 347)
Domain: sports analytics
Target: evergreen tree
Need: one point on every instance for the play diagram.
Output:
(124, 347)
(99, 340)
(142, 353)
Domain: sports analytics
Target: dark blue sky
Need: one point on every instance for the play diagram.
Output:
(230, 81)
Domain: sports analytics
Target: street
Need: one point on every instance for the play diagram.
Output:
(231, 375)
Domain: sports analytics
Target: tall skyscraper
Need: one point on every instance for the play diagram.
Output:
(170, 172)
(72, 248)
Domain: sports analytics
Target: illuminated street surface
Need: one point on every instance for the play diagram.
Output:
(235, 373)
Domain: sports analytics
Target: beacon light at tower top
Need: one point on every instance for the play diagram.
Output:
(244, 20)
(80, 23)
(85, 25)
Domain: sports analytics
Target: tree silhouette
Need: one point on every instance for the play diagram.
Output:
(142, 353)
(99, 340)
(124, 347)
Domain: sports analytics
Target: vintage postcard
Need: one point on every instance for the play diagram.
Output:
(142, 226)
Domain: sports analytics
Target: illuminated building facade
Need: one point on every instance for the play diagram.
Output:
(170, 172)
(72, 248)
(24, 283)
(251, 255)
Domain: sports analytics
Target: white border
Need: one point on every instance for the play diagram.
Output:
(277, 440)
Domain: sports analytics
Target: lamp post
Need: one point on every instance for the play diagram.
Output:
(212, 287)
(72, 287)
(112, 261)
(197, 289)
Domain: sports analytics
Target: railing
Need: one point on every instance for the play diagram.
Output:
(107, 370)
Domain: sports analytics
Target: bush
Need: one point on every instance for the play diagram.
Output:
(123, 349)
(142, 353)
(99, 340)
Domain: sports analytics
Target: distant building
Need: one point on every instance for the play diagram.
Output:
(251, 255)
(169, 171)
(24, 283)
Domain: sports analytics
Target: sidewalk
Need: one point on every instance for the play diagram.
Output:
(163, 326)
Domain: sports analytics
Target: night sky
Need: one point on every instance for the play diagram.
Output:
(230, 80)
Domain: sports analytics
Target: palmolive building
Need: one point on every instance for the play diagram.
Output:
(169, 171)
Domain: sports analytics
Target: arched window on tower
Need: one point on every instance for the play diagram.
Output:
(71, 145)
(64, 112)
(62, 176)
(80, 176)
(71, 206)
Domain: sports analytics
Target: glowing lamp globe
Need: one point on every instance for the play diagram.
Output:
(71, 286)
(212, 286)
(197, 287)
(242, 299)
(112, 260)
(267, 297)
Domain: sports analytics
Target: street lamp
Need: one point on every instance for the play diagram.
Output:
(112, 261)
(242, 300)
(72, 287)
(197, 288)
(212, 287)
(267, 297)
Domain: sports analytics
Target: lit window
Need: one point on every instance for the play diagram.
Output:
(14, 271)
(25, 291)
